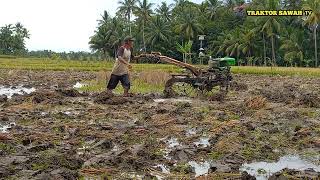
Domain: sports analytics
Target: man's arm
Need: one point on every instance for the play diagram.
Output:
(123, 61)
(120, 54)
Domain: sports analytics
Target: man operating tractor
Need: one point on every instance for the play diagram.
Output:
(120, 71)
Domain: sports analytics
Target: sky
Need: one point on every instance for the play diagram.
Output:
(59, 25)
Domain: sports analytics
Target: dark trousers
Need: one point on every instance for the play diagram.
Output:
(114, 80)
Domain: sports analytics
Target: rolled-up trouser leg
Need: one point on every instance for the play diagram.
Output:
(125, 81)
(113, 82)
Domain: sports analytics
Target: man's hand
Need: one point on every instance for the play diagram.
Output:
(129, 66)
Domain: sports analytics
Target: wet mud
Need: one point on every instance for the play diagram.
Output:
(57, 132)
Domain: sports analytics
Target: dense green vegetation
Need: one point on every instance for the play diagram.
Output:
(173, 30)
(252, 40)
(12, 39)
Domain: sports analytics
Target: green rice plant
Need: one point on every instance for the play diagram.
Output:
(76, 65)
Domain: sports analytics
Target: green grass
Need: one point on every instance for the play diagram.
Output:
(62, 65)
(7, 56)
(138, 86)
(283, 71)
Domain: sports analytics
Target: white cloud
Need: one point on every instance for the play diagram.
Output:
(59, 25)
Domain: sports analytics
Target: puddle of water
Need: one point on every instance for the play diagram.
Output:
(10, 91)
(115, 148)
(204, 141)
(79, 85)
(173, 142)
(268, 169)
(200, 168)
(83, 149)
(173, 100)
(67, 112)
(44, 113)
(5, 128)
(164, 169)
(191, 132)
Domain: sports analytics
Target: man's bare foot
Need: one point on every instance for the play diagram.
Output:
(109, 92)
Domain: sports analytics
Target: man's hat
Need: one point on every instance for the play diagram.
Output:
(128, 38)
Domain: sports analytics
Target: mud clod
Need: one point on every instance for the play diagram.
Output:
(3, 98)
(69, 92)
(246, 176)
(40, 147)
(286, 94)
(294, 174)
(45, 97)
(237, 86)
(108, 98)
(62, 133)
(310, 100)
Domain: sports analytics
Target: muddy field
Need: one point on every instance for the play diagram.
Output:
(268, 127)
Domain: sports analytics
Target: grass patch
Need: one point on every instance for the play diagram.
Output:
(283, 71)
(76, 65)
(215, 155)
(182, 168)
(145, 82)
(7, 148)
(39, 166)
(7, 56)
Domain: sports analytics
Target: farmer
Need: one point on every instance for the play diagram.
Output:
(120, 71)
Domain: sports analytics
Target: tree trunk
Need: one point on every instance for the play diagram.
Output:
(144, 43)
(273, 52)
(315, 46)
(189, 52)
(129, 24)
(264, 50)
(238, 59)
(104, 54)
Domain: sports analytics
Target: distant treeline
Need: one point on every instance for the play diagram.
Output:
(65, 55)
(12, 45)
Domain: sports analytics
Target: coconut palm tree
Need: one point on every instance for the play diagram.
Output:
(313, 21)
(100, 41)
(158, 31)
(126, 7)
(272, 26)
(212, 7)
(229, 44)
(105, 17)
(108, 37)
(143, 11)
(247, 42)
(291, 44)
(165, 10)
(188, 25)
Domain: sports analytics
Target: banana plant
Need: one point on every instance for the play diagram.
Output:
(185, 49)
